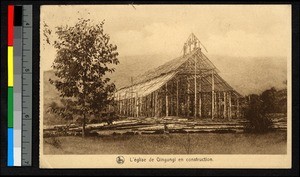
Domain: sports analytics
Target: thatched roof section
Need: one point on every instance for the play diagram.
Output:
(144, 89)
(166, 68)
(154, 79)
(172, 66)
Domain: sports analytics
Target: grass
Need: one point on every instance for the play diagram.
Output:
(201, 143)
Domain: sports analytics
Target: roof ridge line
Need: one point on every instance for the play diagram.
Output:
(186, 58)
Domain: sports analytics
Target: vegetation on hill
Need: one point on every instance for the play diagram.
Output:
(260, 107)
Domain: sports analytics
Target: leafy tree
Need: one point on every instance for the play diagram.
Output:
(258, 122)
(84, 56)
(269, 99)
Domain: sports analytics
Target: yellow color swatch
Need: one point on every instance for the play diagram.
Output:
(10, 63)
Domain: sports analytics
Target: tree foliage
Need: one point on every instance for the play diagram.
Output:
(262, 107)
(259, 106)
(84, 56)
(256, 115)
(268, 97)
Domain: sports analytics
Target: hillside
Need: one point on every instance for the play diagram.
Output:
(252, 75)
(246, 75)
(132, 66)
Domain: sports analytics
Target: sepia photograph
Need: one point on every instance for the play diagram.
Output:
(165, 86)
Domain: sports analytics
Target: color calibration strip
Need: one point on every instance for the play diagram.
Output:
(19, 85)
(10, 95)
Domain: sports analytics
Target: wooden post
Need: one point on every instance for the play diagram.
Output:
(129, 105)
(171, 104)
(195, 82)
(147, 106)
(167, 101)
(140, 106)
(125, 103)
(132, 106)
(200, 99)
(156, 104)
(237, 108)
(215, 104)
(230, 106)
(160, 100)
(120, 104)
(123, 110)
(153, 105)
(225, 107)
(177, 99)
(143, 102)
(131, 98)
(219, 105)
(188, 98)
(124, 106)
(212, 94)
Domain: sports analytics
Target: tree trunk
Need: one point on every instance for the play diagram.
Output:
(83, 126)
(84, 105)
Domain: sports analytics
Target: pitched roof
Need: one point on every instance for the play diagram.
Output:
(144, 89)
(171, 66)
(166, 68)
(152, 80)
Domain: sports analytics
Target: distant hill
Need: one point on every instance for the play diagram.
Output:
(132, 66)
(246, 75)
(252, 75)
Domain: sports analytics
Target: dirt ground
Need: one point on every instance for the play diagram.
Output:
(191, 143)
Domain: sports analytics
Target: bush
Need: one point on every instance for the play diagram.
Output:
(255, 113)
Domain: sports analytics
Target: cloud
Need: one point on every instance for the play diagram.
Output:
(239, 30)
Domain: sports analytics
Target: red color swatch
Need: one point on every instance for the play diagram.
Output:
(10, 25)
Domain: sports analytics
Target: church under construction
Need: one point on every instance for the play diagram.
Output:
(188, 86)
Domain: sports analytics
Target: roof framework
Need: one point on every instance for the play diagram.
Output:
(185, 86)
(154, 79)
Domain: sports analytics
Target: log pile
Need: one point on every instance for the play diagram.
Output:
(131, 126)
(279, 123)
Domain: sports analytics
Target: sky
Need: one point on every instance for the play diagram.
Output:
(249, 44)
(224, 30)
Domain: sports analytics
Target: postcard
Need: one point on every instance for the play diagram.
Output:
(165, 86)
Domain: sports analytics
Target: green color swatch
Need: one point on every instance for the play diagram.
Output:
(10, 105)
